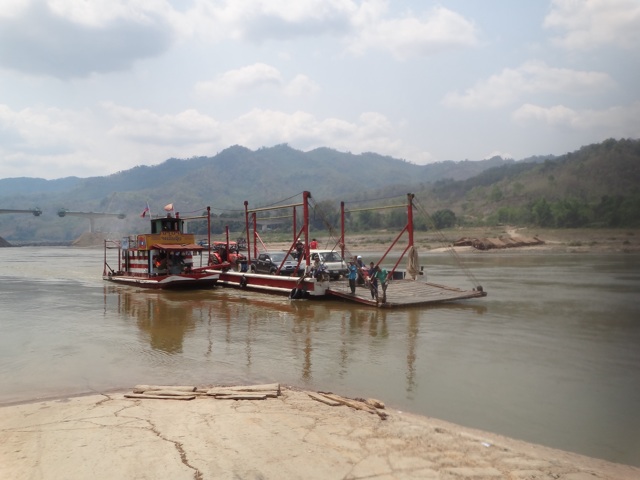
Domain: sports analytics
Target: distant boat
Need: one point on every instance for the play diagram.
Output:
(166, 258)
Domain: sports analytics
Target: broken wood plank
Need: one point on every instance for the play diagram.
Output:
(148, 388)
(241, 396)
(255, 388)
(159, 397)
(168, 393)
(227, 391)
(372, 402)
(355, 404)
(323, 399)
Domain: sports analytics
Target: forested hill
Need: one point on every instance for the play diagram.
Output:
(597, 184)
(237, 174)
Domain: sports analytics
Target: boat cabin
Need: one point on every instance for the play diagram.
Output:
(166, 250)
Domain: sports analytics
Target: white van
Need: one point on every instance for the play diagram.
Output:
(332, 260)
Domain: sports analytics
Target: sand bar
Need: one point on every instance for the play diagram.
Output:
(292, 436)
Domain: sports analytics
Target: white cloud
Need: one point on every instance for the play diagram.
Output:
(254, 77)
(363, 26)
(74, 39)
(303, 130)
(145, 127)
(13, 8)
(38, 130)
(497, 153)
(301, 85)
(593, 23)
(86, 143)
(531, 78)
(100, 13)
(240, 80)
(614, 121)
(260, 20)
(438, 30)
(50, 143)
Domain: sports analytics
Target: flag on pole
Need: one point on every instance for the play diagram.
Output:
(145, 211)
(168, 208)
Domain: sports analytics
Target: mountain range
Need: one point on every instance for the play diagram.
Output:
(475, 191)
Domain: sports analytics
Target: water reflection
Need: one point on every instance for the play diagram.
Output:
(163, 319)
(256, 331)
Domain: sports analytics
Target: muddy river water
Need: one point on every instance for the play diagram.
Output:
(551, 355)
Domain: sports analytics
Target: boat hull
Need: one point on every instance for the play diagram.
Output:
(276, 284)
(193, 281)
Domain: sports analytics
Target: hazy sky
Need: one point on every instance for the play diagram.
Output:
(89, 88)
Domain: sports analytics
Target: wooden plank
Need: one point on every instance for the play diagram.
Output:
(215, 392)
(168, 393)
(324, 399)
(241, 396)
(355, 404)
(257, 388)
(372, 402)
(148, 388)
(270, 387)
(159, 397)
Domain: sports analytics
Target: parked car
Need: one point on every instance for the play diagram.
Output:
(270, 261)
(332, 260)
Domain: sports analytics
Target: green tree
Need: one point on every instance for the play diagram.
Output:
(444, 219)
(324, 216)
(542, 214)
(570, 213)
(496, 194)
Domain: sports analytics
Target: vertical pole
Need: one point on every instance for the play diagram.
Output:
(246, 228)
(255, 234)
(295, 225)
(342, 229)
(410, 217)
(305, 213)
(209, 232)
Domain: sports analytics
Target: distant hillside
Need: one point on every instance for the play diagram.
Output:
(22, 185)
(475, 192)
(597, 185)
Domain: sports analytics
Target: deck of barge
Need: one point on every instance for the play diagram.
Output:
(404, 293)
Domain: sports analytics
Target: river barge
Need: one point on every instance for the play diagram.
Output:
(405, 289)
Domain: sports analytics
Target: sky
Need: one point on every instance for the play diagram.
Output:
(90, 88)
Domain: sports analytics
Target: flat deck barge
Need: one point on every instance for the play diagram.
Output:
(404, 293)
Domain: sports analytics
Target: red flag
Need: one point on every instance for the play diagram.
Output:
(145, 211)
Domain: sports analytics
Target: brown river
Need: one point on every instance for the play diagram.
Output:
(551, 355)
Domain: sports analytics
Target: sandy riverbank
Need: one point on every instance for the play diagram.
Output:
(580, 240)
(289, 437)
(555, 240)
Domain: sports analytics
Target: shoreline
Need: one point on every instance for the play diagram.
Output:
(580, 240)
(292, 436)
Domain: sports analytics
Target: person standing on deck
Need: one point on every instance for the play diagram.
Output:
(373, 282)
(352, 276)
(361, 267)
(313, 244)
(383, 277)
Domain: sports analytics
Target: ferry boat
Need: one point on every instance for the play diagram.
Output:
(403, 291)
(168, 257)
(238, 272)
